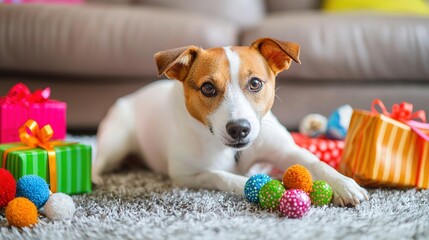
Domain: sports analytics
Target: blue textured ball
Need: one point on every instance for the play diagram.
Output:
(34, 188)
(253, 185)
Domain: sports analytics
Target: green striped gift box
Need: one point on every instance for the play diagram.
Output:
(73, 165)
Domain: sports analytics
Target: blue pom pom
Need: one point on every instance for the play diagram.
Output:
(253, 185)
(34, 188)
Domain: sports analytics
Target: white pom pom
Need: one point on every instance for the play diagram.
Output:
(313, 125)
(59, 206)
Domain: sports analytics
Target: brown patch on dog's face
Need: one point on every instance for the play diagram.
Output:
(210, 66)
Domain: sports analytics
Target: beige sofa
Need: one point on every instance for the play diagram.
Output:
(92, 54)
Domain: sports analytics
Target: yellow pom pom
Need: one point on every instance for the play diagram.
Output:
(298, 177)
(21, 212)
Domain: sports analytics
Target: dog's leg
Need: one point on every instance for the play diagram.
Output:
(279, 148)
(113, 139)
(215, 179)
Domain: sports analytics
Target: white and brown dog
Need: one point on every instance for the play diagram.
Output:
(193, 128)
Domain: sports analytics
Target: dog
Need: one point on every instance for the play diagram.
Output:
(214, 112)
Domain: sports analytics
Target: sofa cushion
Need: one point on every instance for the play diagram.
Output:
(242, 12)
(100, 40)
(358, 46)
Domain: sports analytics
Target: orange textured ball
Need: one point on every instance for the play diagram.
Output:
(298, 177)
(21, 212)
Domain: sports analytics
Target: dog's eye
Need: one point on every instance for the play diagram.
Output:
(255, 85)
(208, 89)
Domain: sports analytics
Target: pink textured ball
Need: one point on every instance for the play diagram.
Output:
(295, 203)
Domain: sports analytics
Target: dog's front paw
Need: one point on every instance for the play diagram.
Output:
(238, 188)
(347, 192)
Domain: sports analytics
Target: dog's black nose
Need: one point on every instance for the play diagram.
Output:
(238, 129)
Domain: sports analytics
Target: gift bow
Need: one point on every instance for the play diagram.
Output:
(21, 94)
(32, 136)
(38, 137)
(401, 112)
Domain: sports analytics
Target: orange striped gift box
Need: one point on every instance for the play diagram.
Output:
(387, 149)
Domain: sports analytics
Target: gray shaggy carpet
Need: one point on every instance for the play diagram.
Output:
(137, 204)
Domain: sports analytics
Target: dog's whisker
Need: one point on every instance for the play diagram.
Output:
(276, 96)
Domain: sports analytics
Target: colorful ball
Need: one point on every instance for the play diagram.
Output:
(7, 187)
(321, 194)
(253, 185)
(298, 177)
(295, 203)
(59, 206)
(270, 194)
(21, 212)
(34, 188)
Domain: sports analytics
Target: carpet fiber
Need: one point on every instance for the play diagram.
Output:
(137, 204)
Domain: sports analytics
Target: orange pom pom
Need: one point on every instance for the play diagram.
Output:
(298, 177)
(21, 212)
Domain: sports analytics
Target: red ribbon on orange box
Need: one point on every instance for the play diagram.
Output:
(33, 136)
(404, 113)
(20, 94)
(401, 112)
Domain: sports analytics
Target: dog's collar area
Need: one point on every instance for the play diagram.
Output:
(237, 157)
(211, 128)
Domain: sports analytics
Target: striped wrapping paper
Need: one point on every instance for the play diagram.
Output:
(73, 165)
(381, 151)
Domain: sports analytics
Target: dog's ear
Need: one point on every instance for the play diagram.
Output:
(175, 63)
(279, 54)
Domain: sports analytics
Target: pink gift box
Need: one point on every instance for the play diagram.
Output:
(20, 105)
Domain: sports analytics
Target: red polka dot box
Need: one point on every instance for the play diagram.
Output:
(327, 150)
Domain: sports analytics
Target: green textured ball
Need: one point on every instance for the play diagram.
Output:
(270, 194)
(321, 194)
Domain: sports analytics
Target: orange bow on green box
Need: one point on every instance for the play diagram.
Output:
(33, 136)
(65, 166)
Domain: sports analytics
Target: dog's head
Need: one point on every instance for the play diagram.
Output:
(229, 89)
